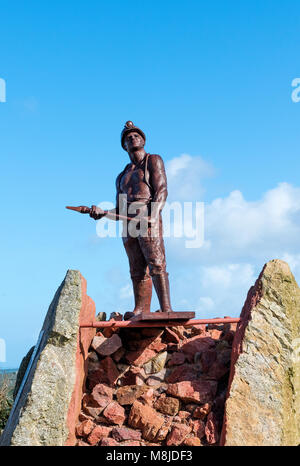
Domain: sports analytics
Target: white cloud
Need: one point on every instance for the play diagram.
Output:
(271, 220)
(126, 291)
(212, 291)
(184, 174)
(239, 230)
(224, 276)
(207, 303)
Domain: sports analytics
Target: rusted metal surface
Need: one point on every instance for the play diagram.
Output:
(182, 315)
(160, 323)
(82, 209)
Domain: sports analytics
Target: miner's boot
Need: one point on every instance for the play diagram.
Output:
(162, 288)
(142, 290)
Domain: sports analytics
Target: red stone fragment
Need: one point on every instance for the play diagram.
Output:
(172, 347)
(164, 430)
(148, 444)
(190, 407)
(207, 359)
(134, 376)
(129, 393)
(156, 380)
(108, 332)
(123, 433)
(176, 359)
(93, 357)
(170, 336)
(83, 417)
(215, 334)
(117, 356)
(148, 396)
(157, 346)
(196, 344)
(179, 330)
(154, 344)
(106, 346)
(109, 442)
(116, 316)
(202, 411)
(198, 428)
(183, 373)
(217, 370)
(107, 373)
(146, 419)
(102, 395)
(167, 405)
(81, 443)
(130, 443)
(200, 391)
(151, 332)
(232, 326)
(138, 358)
(98, 434)
(114, 413)
(177, 435)
(198, 330)
(90, 406)
(192, 442)
(229, 336)
(211, 429)
(88, 400)
(184, 414)
(85, 428)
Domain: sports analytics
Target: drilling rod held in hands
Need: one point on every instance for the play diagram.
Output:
(86, 210)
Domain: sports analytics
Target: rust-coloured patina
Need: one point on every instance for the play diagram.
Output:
(143, 185)
(160, 323)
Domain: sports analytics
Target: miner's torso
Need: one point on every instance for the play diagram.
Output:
(133, 183)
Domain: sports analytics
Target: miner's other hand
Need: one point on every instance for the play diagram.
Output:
(96, 212)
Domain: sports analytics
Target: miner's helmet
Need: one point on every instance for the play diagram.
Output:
(128, 128)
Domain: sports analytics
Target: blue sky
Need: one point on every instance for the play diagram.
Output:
(208, 79)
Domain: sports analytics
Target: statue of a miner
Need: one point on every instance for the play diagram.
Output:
(143, 184)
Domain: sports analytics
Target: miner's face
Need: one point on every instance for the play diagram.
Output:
(133, 141)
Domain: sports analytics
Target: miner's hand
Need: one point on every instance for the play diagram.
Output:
(96, 212)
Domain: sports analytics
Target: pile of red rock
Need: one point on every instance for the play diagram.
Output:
(156, 386)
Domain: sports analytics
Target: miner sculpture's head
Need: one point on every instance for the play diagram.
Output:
(132, 137)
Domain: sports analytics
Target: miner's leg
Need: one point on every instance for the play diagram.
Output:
(162, 288)
(141, 280)
(154, 252)
(142, 289)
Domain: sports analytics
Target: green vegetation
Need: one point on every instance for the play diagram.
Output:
(7, 381)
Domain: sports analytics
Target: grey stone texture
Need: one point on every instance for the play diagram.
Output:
(40, 415)
(263, 404)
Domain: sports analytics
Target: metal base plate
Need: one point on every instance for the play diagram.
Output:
(166, 316)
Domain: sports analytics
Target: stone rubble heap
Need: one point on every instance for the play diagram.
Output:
(156, 386)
